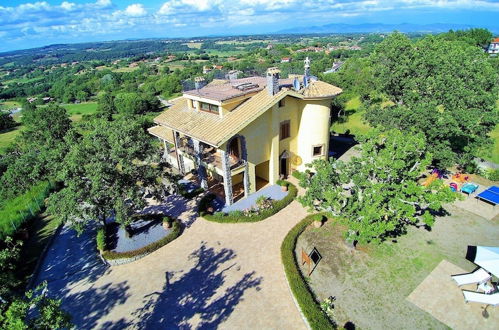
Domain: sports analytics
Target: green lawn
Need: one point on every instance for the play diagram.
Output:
(126, 69)
(353, 122)
(371, 285)
(76, 111)
(7, 137)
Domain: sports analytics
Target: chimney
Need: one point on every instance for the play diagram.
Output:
(199, 82)
(232, 75)
(273, 81)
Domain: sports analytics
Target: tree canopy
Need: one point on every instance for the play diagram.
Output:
(377, 194)
(444, 89)
(39, 151)
(105, 173)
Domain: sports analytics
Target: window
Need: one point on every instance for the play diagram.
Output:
(285, 131)
(318, 150)
(208, 107)
(281, 103)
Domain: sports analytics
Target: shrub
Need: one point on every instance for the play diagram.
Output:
(240, 216)
(15, 211)
(101, 239)
(190, 194)
(175, 232)
(309, 306)
(297, 175)
(491, 174)
(204, 203)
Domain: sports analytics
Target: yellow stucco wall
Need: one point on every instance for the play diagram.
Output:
(262, 170)
(313, 130)
(309, 126)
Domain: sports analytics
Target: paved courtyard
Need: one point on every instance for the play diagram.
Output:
(227, 276)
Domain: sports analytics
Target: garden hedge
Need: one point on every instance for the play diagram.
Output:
(309, 306)
(111, 255)
(239, 216)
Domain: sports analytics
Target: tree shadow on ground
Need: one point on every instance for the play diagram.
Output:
(72, 258)
(71, 263)
(176, 206)
(199, 295)
(87, 307)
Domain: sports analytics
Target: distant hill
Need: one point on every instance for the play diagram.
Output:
(380, 27)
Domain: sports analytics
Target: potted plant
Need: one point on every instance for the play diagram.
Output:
(167, 222)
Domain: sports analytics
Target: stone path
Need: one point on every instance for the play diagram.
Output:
(227, 276)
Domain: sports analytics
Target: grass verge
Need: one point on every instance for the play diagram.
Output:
(309, 306)
(40, 232)
(239, 216)
(16, 211)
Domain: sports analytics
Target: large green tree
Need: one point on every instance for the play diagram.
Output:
(105, 106)
(377, 194)
(445, 89)
(39, 151)
(6, 121)
(33, 310)
(106, 172)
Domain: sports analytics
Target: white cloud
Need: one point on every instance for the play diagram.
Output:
(40, 20)
(67, 5)
(135, 10)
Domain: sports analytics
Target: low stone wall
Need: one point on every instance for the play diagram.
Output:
(120, 258)
(117, 262)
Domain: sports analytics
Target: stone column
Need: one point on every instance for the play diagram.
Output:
(246, 180)
(200, 168)
(227, 177)
(166, 150)
(180, 159)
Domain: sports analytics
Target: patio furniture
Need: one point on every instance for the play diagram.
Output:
(486, 287)
(469, 188)
(478, 276)
(490, 195)
(486, 257)
(481, 298)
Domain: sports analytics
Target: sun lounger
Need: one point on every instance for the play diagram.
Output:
(469, 188)
(482, 298)
(478, 276)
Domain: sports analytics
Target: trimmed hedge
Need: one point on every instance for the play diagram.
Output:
(309, 306)
(176, 231)
(14, 212)
(239, 216)
(101, 239)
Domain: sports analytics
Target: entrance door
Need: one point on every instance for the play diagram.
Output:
(283, 167)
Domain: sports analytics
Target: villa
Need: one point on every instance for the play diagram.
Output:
(494, 47)
(242, 134)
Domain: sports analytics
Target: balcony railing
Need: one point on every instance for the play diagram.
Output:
(212, 156)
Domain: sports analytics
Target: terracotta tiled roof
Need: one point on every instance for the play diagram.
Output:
(227, 91)
(319, 89)
(212, 129)
(495, 40)
(162, 132)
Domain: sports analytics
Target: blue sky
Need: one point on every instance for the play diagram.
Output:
(27, 24)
